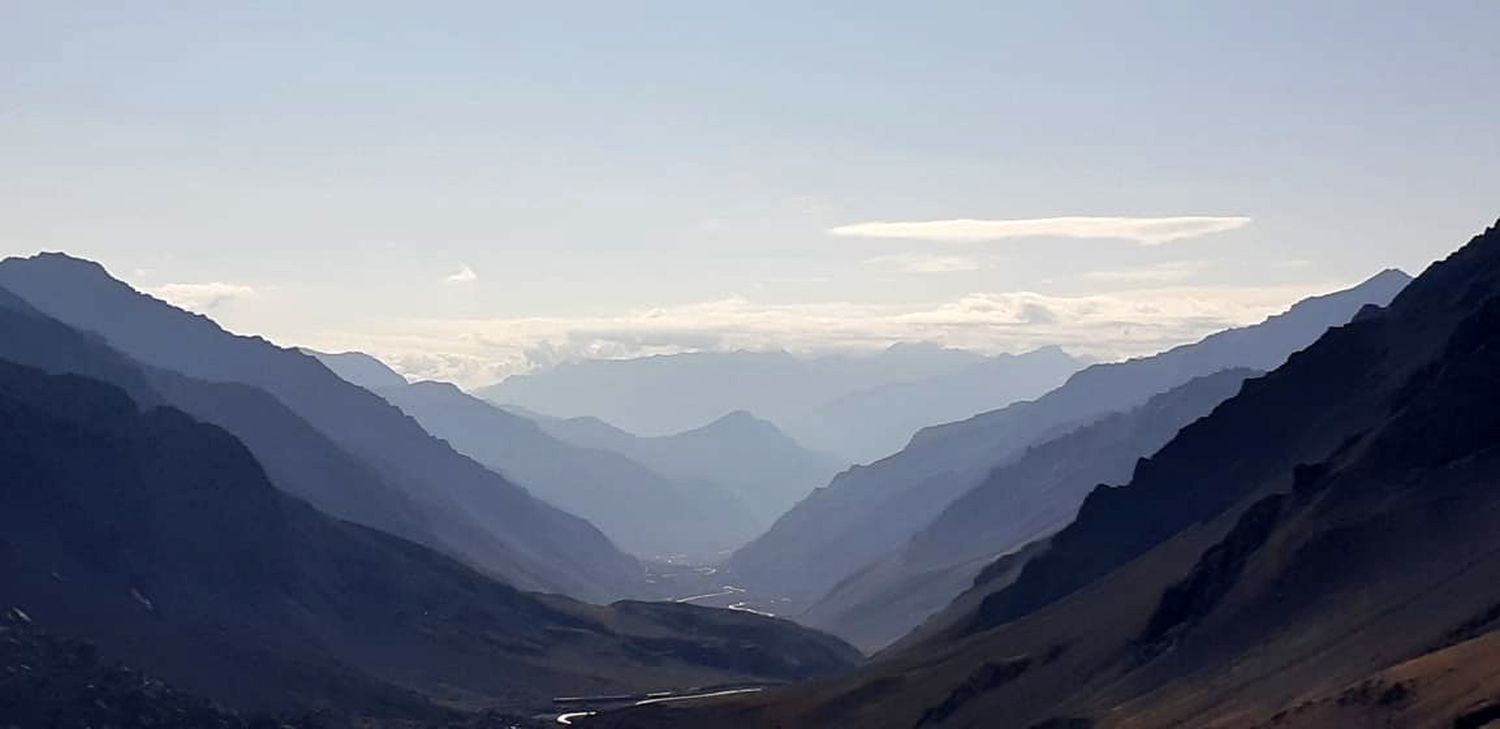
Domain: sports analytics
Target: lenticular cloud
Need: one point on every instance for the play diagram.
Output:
(1144, 231)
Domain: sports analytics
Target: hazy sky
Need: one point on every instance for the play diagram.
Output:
(471, 189)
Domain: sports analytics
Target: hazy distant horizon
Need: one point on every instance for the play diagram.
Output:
(1079, 340)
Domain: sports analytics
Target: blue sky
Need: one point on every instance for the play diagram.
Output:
(624, 178)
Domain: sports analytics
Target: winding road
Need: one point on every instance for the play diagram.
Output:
(661, 697)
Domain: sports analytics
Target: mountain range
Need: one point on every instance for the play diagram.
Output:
(159, 540)
(1283, 525)
(870, 511)
(858, 407)
(748, 457)
(466, 510)
(724, 482)
(1316, 552)
(625, 499)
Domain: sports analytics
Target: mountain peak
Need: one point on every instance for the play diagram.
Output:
(1050, 352)
(1389, 276)
(1379, 289)
(739, 419)
(739, 426)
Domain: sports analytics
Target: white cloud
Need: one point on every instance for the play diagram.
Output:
(201, 296)
(473, 352)
(1144, 231)
(922, 263)
(463, 276)
(1160, 273)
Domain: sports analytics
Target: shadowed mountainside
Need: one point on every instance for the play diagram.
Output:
(472, 512)
(1015, 505)
(160, 540)
(299, 459)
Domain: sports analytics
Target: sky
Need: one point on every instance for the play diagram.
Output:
(469, 190)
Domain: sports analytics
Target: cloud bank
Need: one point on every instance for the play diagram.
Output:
(1144, 231)
(201, 296)
(474, 352)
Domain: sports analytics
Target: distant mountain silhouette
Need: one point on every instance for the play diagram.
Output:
(644, 512)
(739, 453)
(159, 540)
(1317, 552)
(803, 395)
(875, 422)
(1016, 504)
(869, 511)
(471, 511)
(359, 368)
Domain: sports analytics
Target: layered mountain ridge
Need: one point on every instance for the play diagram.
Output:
(628, 501)
(857, 406)
(1015, 505)
(159, 539)
(473, 512)
(737, 453)
(1285, 535)
(869, 511)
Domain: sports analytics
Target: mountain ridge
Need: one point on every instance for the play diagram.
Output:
(1016, 504)
(666, 394)
(868, 511)
(738, 452)
(499, 527)
(160, 539)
